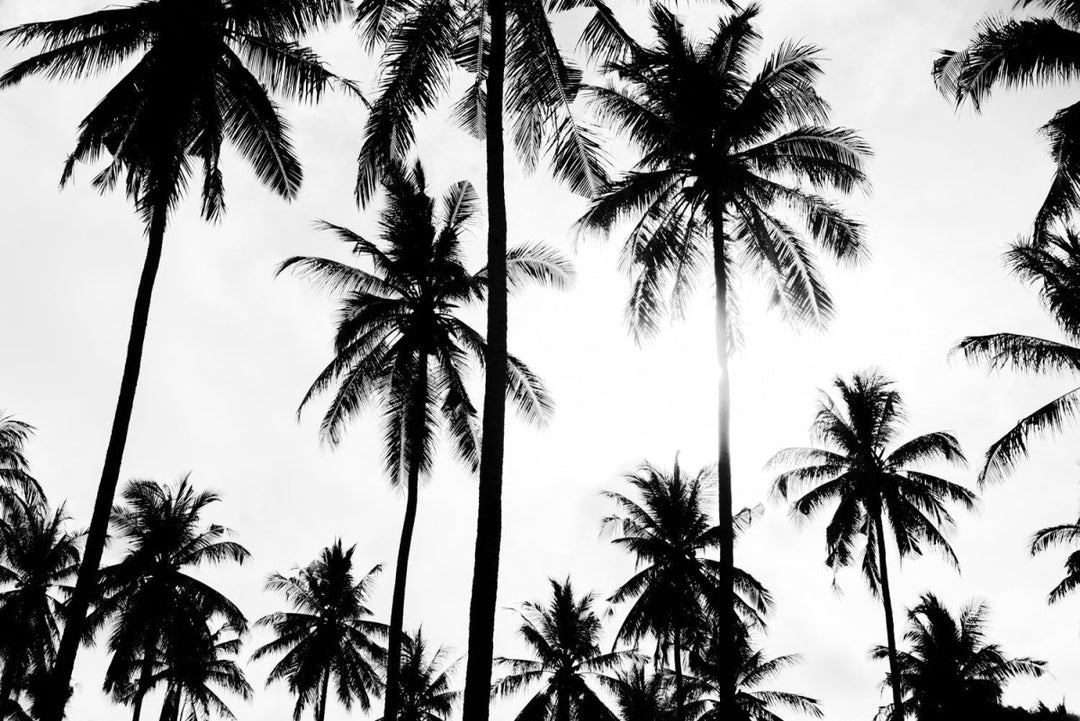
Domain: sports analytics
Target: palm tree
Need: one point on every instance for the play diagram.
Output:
(425, 682)
(517, 75)
(1016, 52)
(151, 602)
(1066, 533)
(327, 634)
(951, 670)
(1054, 266)
(715, 180)
(15, 478)
(564, 636)
(642, 696)
(674, 587)
(194, 670)
(38, 557)
(400, 341)
(873, 481)
(753, 669)
(201, 78)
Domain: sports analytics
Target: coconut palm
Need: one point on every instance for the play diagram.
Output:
(674, 593)
(951, 671)
(564, 637)
(753, 670)
(38, 557)
(149, 599)
(643, 696)
(194, 672)
(1053, 266)
(15, 478)
(425, 680)
(872, 479)
(201, 74)
(401, 343)
(726, 179)
(1017, 52)
(327, 634)
(517, 77)
(1046, 538)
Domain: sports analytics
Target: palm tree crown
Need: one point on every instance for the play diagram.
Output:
(564, 637)
(1046, 538)
(426, 676)
(951, 671)
(327, 634)
(1053, 266)
(1017, 52)
(15, 480)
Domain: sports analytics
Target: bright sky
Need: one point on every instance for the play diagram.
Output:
(231, 350)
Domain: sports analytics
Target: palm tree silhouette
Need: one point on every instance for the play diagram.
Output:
(753, 669)
(564, 637)
(1017, 52)
(1054, 266)
(425, 679)
(951, 670)
(726, 157)
(38, 557)
(674, 589)
(201, 79)
(873, 482)
(1046, 538)
(517, 75)
(148, 598)
(400, 341)
(643, 696)
(327, 634)
(202, 662)
(16, 483)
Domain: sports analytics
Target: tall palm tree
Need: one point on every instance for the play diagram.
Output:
(15, 479)
(425, 681)
(564, 637)
(1052, 265)
(202, 76)
(328, 633)
(1017, 52)
(1046, 538)
(400, 342)
(517, 77)
(149, 598)
(643, 696)
(874, 482)
(674, 589)
(951, 670)
(730, 160)
(753, 669)
(38, 557)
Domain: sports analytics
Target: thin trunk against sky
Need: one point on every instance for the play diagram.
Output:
(890, 627)
(485, 583)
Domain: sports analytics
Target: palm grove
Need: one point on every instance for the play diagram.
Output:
(739, 171)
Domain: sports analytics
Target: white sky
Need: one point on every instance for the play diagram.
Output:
(230, 351)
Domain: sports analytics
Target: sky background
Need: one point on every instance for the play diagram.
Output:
(230, 351)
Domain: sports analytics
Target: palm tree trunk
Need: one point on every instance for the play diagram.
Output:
(890, 629)
(678, 675)
(8, 680)
(324, 690)
(414, 445)
(53, 703)
(146, 670)
(485, 583)
(723, 472)
(170, 709)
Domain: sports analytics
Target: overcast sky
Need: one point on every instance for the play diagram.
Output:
(230, 351)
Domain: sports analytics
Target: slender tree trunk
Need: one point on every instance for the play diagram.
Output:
(485, 583)
(54, 702)
(170, 708)
(145, 672)
(679, 700)
(8, 681)
(727, 629)
(414, 448)
(324, 690)
(890, 628)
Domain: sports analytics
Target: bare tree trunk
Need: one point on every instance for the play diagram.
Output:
(485, 583)
(9, 679)
(414, 448)
(324, 691)
(727, 629)
(146, 670)
(890, 629)
(679, 699)
(53, 703)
